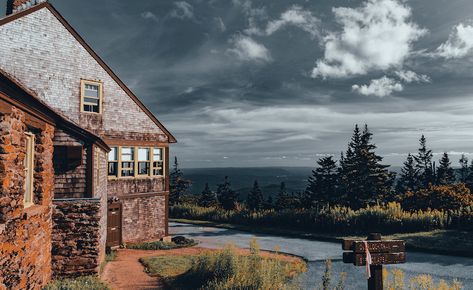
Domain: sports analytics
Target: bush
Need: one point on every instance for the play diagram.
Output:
(386, 219)
(159, 245)
(441, 197)
(87, 282)
(226, 269)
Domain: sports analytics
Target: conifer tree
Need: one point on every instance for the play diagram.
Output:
(469, 177)
(282, 197)
(445, 173)
(268, 204)
(364, 179)
(255, 198)
(208, 197)
(178, 185)
(424, 163)
(409, 179)
(464, 170)
(323, 184)
(226, 196)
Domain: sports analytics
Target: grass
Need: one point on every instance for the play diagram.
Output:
(447, 242)
(159, 245)
(81, 283)
(109, 257)
(225, 269)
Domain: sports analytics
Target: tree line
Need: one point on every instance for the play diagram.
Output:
(356, 180)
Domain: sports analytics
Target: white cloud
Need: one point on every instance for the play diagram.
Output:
(220, 24)
(379, 87)
(182, 10)
(375, 36)
(245, 48)
(150, 16)
(295, 16)
(412, 77)
(459, 43)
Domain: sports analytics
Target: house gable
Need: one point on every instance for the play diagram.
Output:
(51, 58)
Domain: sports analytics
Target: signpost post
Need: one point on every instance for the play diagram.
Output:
(377, 252)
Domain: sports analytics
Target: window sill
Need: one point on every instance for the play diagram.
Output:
(136, 177)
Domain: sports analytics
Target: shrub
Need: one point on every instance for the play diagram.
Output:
(441, 197)
(159, 245)
(87, 282)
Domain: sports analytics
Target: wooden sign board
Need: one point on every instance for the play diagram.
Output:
(385, 246)
(377, 259)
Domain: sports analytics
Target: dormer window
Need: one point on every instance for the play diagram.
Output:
(91, 97)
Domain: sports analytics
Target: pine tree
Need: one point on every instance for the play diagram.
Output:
(226, 196)
(208, 197)
(445, 173)
(424, 163)
(282, 197)
(364, 179)
(255, 198)
(464, 170)
(323, 184)
(268, 204)
(409, 179)
(178, 185)
(469, 177)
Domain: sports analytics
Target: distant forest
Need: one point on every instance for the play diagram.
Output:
(358, 178)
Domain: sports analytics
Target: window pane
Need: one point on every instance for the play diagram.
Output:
(127, 153)
(143, 154)
(158, 168)
(143, 168)
(91, 101)
(91, 90)
(113, 154)
(113, 169)
(128, 173)
(157, 154)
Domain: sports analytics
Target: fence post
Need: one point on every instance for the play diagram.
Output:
(375, 282)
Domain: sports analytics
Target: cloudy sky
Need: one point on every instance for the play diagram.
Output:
(280, 83)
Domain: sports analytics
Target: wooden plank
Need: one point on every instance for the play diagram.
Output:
(387, 246)
(377, 259)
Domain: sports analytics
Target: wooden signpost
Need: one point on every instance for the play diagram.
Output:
(380, 252)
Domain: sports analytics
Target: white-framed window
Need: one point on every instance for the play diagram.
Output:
(91, 96)
(29, 171)
(136, 161)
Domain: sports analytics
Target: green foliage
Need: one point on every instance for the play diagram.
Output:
(178, 185)
(445, 173)
(167, 266)
(409, 179)
(207, 197)
(282, 198)
(323, 185)
(87, 282)
(364, 180)
(159, 245)
(442, 197)
(390, 218)
(255, 198)
(424, 163)
(464, 170)
(226, 196)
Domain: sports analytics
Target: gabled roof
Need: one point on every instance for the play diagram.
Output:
(87, 47)
(20, 96)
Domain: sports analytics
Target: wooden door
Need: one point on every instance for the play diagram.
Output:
(114, 224)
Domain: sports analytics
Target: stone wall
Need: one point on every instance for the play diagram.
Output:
(144, 218)
(77, 237)
(124, 186)
(25, 233)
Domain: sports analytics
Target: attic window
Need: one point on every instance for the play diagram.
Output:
(91, 97)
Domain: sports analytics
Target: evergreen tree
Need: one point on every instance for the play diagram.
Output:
(445, 173)
(364, 179)
(469, 177)
(226, 196)
(208, 197)
(255, 198)
(178, 185)
(323, 184)
(409, 179)
(464, 170)
(424, 163)
(282, 197)
(268, 204)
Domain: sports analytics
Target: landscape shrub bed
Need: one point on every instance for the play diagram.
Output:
(390, 218)
(80, 283)
(159, 245)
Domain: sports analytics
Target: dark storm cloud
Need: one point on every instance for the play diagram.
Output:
(235, 82)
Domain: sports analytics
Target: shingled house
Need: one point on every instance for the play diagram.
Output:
(50, 62)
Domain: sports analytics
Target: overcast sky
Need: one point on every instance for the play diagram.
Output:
(280, 83)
